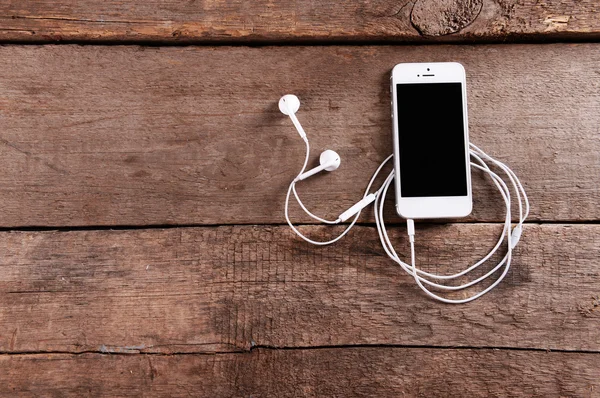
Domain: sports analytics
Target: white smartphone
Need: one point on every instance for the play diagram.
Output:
(431, 140)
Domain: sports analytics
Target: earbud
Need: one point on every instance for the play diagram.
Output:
(329, 160)
(289, 105)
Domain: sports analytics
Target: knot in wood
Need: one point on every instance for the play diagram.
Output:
(443, 17)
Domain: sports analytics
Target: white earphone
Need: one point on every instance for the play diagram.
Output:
(329, 161)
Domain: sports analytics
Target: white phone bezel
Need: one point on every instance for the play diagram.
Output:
(439, 206)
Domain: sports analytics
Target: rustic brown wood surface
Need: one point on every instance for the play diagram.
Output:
(178, 148)
(218, 289)
(152, 136)
(267, 21)
(341, 372)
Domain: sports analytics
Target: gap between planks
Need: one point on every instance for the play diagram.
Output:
(299, 348)
(75, 228)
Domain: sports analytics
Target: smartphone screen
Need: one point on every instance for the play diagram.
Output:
(431, 139)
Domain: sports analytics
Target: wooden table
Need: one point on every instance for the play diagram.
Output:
(145, 162)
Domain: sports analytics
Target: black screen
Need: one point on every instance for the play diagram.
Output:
(431, 139)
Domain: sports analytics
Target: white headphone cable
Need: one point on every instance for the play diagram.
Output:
(512, 237)
(421, 277)
(292, 188)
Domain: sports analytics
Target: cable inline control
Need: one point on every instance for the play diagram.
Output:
(289, 105)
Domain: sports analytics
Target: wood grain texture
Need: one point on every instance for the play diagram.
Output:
(343, 372)
(218, 289)
(277, 21)
(154, 136)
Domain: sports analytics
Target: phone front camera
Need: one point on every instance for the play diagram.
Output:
(427, 69)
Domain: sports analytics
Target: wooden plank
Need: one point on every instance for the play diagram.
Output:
(139, 136)
(343, 372)
(267, 21)
(218, 289)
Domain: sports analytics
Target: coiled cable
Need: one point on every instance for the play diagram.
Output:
(510, 234)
